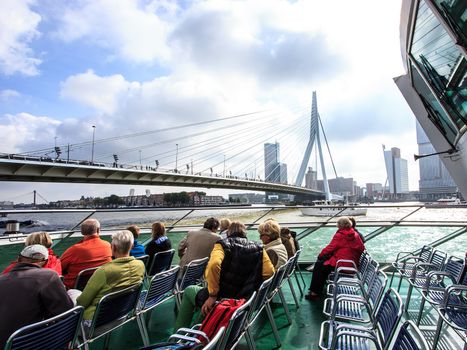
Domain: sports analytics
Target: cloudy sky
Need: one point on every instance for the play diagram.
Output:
(130, 66)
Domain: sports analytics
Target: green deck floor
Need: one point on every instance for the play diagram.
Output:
(303, 333)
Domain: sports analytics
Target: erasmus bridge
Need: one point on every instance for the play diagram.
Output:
(228, 155)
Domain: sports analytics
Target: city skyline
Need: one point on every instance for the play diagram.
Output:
(69, 72)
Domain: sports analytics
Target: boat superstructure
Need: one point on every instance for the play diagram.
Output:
(329, 208)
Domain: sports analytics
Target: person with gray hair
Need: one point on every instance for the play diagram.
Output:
(92, 251)
(345, 245)
(30, 293)
(124, 271)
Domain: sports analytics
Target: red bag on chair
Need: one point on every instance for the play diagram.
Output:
(220, 316)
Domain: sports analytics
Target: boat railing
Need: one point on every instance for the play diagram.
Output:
(433, 227)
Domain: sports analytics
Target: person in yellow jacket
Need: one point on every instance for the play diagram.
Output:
(236, 269)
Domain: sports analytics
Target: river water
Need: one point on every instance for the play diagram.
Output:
(384, 247)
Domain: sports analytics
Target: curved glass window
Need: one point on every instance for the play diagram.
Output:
(455, 13)
(442, 64)
(435, 112)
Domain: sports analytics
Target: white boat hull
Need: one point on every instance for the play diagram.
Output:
(329, 211)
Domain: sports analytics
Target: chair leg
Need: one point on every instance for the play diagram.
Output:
(292, 289)
(107, 341)
(298, 283)
(249, 339)
(85, 342)
(142, 329)
(392, 277)
(409, 295)
(275, 332)
(420, 311)
(400, 283)
(437, 333)
(301, 276)
(284, 305)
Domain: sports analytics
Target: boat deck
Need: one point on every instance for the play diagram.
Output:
(302, 334)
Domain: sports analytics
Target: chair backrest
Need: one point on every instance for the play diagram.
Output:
(215, 340)
(161, 261)
(409, 340)
(291, 263)
(363, 262)
(377, 288)
(370, 273)
(261, 295)
(388, 315)
(144, 258)
(83, 278)
(425, 252)
(236, 325)
(161, 286)
(115, 306)
(277, 280)
(193, 273)
(455, 267)
(438, 258)
(54, 333)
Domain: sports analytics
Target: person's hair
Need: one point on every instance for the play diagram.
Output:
(353, 221)
(42, 238)
(270, 228)
(90, 227)
(344, 222)
(134, 230)
(236, 227)
(157, 230)
(122, 241)
(224, 223)
(285, 231)
(211, 224)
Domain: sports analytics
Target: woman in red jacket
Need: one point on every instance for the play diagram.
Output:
(346, 244)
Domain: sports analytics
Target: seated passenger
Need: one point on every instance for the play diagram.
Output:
(42, 238)
(236, 269)
(124, 271)
(198, 244)
(137, 249)
(288, 242)
(92, 251)
(160, 242)
(224, 226)
(354, 224)
(29, 293)
(346, 244)
(269, 233)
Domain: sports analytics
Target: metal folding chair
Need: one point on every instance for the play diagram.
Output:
(58, 332)
(160, 262)
(409, 340)
(83, 278)
(193, 274)
(161, 288)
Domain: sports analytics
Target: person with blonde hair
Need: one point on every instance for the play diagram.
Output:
(124, 271)
(44, 239)
(224, 226)
(269, 233)
(345, 245)
(137, 249)
(160, 242)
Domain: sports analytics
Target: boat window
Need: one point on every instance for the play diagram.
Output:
(435, 111)
(441, 63)
(455, 16)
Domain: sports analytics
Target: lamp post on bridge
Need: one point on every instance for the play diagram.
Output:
(92, 150)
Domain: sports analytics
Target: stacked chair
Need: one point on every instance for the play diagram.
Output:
(441, 282)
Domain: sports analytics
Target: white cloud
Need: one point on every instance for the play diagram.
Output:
(8, 94)
(25, 132)
(100, 93)
(126, 27)
(18, 28)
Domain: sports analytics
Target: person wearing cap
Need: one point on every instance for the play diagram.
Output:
(29, 293)
(92, 251)
(124, 271)
(269, 233)
(42, 238)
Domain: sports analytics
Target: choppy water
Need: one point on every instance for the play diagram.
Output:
(383, 247)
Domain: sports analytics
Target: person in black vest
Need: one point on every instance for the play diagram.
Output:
(236, 269)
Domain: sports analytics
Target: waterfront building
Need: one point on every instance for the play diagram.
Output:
(247, 198)
(435, 181)
(282, 173)
(342, 186)
(271, 161)
(374, 190)
(397, 171)
(311, 178)
(434, 50)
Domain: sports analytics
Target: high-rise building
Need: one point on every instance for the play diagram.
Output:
(311, 178)
(397, 171)
(374, 190)
(435, 181)
(433, 47)
(271, 162)
(282, 173)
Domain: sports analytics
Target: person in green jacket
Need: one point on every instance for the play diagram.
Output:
(124, 271)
